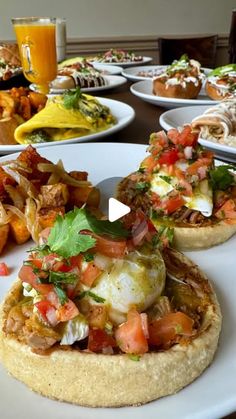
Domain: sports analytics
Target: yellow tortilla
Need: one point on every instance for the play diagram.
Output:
(59, 122)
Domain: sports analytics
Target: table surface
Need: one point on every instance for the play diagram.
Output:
(138, 132)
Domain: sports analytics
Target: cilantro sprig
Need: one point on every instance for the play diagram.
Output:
(221, 178)
(66, 239)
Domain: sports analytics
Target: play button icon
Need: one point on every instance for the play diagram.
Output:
(116, 209)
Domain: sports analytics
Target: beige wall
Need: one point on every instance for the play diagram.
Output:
(104, 18)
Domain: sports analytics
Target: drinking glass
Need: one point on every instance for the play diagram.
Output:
(36, 38)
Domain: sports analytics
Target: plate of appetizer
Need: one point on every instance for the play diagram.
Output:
(120, 57)
(215, 125)
(180, 84)
(91, 84)
(98, 339)
(144, 90)
(148, 72)
(67, 118)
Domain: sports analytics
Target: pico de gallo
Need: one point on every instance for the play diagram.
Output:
(104, 287)
(178, 183)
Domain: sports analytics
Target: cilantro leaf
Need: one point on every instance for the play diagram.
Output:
(65, 238)
(71, 98)
(62, 277)
(91, 294)
(61, 294)
(221, 178)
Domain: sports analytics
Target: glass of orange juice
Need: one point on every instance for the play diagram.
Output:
(36, 38)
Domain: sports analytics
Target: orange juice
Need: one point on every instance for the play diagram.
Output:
(37, 44)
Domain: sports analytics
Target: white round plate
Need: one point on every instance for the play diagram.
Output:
(145, 60)
(121, 111)
(212, 395)
(108, 69)
(133, 73)
(110, 83)
(143, 89)
(176, 118)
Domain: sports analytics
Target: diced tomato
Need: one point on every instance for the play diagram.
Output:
(43, 306)
(99, 339)
(185, 138)
(36, 263)
(67, 311)
(202, 162)
(75, 261)
(149, 163)
(168, 157)
(90, 274)
(227, 210)
(131, 335)
(52, 262)
(4, 271)
(173, 203)
(164, 330)
(26, 274)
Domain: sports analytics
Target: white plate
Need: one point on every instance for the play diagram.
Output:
(108, 69)
(110, 83)
(143, 89)
(145, 60)
(212, 395)
(122, 112)
(176, 118)
(133, 73)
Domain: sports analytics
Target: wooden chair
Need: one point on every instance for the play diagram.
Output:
(202, 49)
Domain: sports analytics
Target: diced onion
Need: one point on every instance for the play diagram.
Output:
(31, 209)
(15, 210)
(4, 216)
(58, 173)
(15, 195)
(22, 181)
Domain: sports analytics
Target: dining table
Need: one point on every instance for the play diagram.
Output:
(145, 122)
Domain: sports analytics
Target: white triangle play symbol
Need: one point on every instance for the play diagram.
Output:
(116, 209)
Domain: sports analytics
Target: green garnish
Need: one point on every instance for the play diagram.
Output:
(221, 178)
(66, 240)
(166, 178)
(37, 136)
(88, 257)
(61, 294)
(141, 186)
(88, 293)
(134, 357)
(71, 98)
(62, 277)
(223, 70)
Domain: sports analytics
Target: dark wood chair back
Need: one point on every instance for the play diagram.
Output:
(202, 49)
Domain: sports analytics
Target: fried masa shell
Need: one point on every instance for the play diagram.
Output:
(185, 237)
(177, 91)
(99, 380)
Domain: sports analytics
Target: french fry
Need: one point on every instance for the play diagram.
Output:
(19, 229)
(4, 230)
